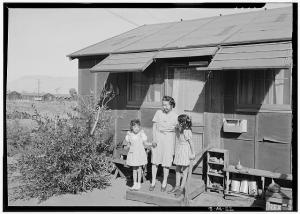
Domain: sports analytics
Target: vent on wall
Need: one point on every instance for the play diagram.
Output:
(234, 125)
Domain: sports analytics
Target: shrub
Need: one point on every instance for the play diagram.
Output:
(17, 115)
(18, 137)
(64, 157)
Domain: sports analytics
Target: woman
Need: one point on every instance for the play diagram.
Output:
(164, 123)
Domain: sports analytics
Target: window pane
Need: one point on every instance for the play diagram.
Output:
(157, 92)
(145, 87)
(264, 87)
(242, 88)
(269, 89)
(249, 94)
(246, 86)
(287, 87)
(169, 82)
(282, 87)
(259, 92)
(278, 87)
(137, 87)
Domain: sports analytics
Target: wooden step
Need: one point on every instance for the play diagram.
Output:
(196, 170)
(157, 197)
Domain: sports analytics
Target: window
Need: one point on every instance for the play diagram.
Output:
(264, 88)
(145, 88)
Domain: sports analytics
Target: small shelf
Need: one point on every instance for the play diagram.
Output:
(215, 188)
(222, 164)
(215, 174)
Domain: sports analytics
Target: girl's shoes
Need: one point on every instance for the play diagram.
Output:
(163, 189)
(174, 189)
(151, 188)
(136, 186)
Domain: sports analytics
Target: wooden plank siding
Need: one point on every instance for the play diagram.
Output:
(274, 157)
(122, 120)
(90, 82)
(266, 145)
(214, 109)
(147, 115)
(85, 82)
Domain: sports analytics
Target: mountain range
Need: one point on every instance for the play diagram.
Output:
(46, 84)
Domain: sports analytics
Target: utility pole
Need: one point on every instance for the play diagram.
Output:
(38, 87)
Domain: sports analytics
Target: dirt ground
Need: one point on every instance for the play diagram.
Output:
(115, 196)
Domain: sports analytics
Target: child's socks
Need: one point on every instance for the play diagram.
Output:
(134, 186)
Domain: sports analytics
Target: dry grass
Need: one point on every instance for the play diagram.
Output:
(49, 108)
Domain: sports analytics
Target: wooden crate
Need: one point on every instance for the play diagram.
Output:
(279, 201)
(215, 173)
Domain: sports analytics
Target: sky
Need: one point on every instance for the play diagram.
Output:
(40, 39)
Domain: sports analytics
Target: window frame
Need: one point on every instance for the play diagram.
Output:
(144, 104)
(263, 107)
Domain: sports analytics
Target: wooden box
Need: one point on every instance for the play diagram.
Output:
(279, 201)
(217, 159)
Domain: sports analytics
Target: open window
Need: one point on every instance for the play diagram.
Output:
(268, 89)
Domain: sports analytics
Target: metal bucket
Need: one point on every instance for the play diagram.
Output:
(252, 187)
(244, 186)
(235, 185)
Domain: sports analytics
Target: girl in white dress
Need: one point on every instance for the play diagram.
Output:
(184, 152)
(136, 140)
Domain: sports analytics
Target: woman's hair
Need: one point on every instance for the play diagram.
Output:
(170, 100)
(185, 121)
(134, 122)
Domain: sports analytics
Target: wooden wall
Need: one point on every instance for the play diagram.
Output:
(265, 145)
(274, 142)
(122, 114)
(89, 82)
(214, 109)
(267, 142)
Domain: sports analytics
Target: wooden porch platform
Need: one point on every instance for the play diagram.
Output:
(157, 197)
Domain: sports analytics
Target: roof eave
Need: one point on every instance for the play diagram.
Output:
(285, 39)
(247, 67)
(71, 57)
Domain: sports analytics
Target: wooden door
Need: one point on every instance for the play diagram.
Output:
(186, 86)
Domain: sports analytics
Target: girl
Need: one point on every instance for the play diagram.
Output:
(184, 152)
(164, 122)
(136, 140)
